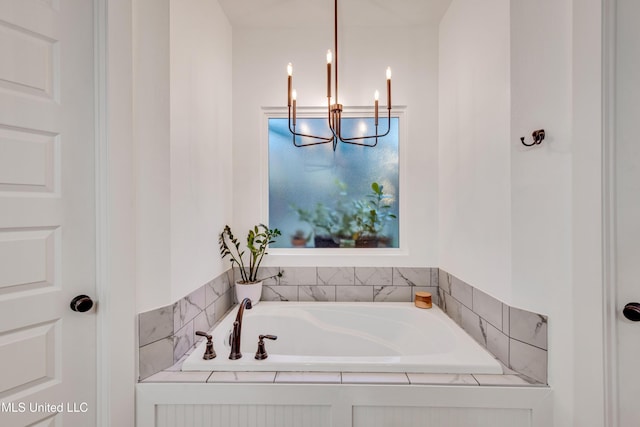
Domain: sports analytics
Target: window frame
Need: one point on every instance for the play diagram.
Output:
(348, 112)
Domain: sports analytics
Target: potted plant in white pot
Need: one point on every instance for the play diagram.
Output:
(258, 238)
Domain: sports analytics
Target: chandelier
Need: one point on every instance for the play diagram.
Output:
(334, 111)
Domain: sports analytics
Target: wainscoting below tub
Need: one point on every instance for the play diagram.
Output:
(353, 405)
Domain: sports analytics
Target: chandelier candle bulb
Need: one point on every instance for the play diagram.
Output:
(290, 74)
(376, 95)
(294, 96)
(389, 88)
(329, 58)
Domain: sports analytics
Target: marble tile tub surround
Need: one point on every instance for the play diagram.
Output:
(367, 284)
(518, 338)
(167, 333)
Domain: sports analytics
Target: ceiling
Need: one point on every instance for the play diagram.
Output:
(305, 13)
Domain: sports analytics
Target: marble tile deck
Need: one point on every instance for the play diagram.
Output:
(389, 378)
(309, 377)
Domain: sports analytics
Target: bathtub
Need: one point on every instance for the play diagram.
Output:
(346, 337)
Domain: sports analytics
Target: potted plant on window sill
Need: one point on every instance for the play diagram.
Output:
(258, 239)
(321, 223)
(374, 214)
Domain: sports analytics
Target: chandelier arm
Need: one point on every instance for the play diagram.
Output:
(310, 143)
(322, 139)
(360, 144)
(376, 136)
(304, 135)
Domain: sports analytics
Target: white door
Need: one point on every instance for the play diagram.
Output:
(627, 208)
(47, 213)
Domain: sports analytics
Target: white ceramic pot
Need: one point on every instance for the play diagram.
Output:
(253, 291)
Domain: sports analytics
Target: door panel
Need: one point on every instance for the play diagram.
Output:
(627, 208)
(47, 212)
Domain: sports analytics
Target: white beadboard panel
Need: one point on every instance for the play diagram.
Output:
(402, 416)
(27, 159)
(243, 416)
(30, 65)
(214, 404)
(29, 255)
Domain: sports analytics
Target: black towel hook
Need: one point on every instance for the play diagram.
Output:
(538, 136)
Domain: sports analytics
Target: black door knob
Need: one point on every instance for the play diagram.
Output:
(632, 311)
(81, 303)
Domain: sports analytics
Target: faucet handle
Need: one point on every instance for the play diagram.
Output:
(209, 352)
(204, 334)
(269, 337)
(261, 354)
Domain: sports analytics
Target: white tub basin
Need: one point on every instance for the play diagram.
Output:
(347, 337)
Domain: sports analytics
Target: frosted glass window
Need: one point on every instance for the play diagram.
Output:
(323, 198)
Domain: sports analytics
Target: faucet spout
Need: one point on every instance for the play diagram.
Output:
(237, 330)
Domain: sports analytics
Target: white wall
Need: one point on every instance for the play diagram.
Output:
(117, 321)
(200, 141)
(506, 210)
(474, 151)
(541, 176)
(182, 98)
(587, 216)
(259, 67)
(541, 180)
(151, 156)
